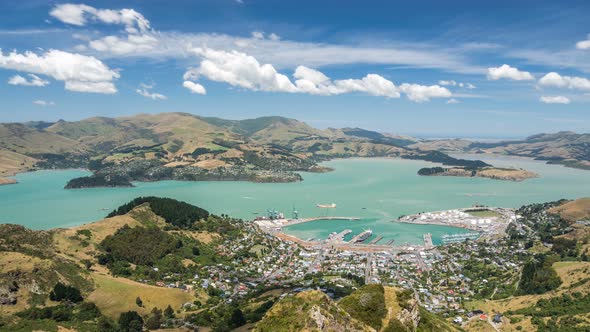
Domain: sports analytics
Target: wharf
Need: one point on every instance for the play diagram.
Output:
(428, 240)
(377, 239)
(340, 236)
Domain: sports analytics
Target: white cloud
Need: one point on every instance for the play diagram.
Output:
(453, 101)
(144, 90)
(257, 35)
(94, 87)
(142, 41)
(239, 69)
(242, 70)
(79, 72)
(455, 83)
(34, 81)
(43, 103)
(422, 93)
(554, 100)
(121, 46)
(584, 44)
(79, 14)
(194, 87)
(507, 72)
(553, 79)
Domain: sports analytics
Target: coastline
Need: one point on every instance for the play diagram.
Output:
(6, 180)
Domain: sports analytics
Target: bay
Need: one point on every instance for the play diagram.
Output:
(376, 190)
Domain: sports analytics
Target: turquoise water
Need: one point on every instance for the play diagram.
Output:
(377, 190)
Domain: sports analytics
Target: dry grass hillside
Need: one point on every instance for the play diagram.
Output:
(578, 209)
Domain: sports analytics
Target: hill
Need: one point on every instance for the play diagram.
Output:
(370, 308)
(181, 146)
(567, 148)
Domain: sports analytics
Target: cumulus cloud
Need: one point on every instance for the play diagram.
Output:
(43, 103)
(239, 69)
(79, 72)
(80, 14)
(242, 70)
(194, 87)
(34, 81)
(145, 91)
(584, 44)
(553, 79)
(554, 100)
(129, 44)
(453, 101)
(507, 72)
(422, 93)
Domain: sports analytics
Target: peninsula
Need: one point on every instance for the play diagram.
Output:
(497, 173)
(181, 146)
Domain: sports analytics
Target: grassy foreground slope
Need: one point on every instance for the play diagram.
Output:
(33, 262)
(370, 308)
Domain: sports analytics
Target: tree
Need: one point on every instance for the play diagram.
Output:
(105, 325)
(169, 312)
(196, 251)
(154, 321)
(139, 302)
(63, 292)
(130, 321)
(237, 318)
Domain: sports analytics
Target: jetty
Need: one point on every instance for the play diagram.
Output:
(377, 239)
(340, 236)
(428, 240)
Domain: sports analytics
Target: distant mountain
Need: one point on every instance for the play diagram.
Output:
(182, 146)
(564, 147)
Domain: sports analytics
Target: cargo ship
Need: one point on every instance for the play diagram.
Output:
(363, 236)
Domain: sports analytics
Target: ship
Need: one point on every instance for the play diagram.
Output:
(363, 236)
(326, 206)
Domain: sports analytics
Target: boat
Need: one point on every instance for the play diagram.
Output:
(363, 236)
(326, 206)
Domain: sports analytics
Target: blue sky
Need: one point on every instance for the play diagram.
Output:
(427, 68)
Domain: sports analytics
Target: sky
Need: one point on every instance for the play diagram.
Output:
(499, 69)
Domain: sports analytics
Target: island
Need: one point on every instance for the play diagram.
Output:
(497, 173)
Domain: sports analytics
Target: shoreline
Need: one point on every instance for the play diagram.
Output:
(14, 173)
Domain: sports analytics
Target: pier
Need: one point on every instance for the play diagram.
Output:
(377, 239)
(390, 242)
(428, 240)
(340, 236)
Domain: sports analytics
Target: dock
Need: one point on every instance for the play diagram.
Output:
(390, 242)
(428, 240)
(340, 236)
(377, 239)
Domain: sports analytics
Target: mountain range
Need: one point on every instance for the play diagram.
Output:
(149, 147)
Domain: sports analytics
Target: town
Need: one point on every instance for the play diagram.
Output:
(443, 277)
